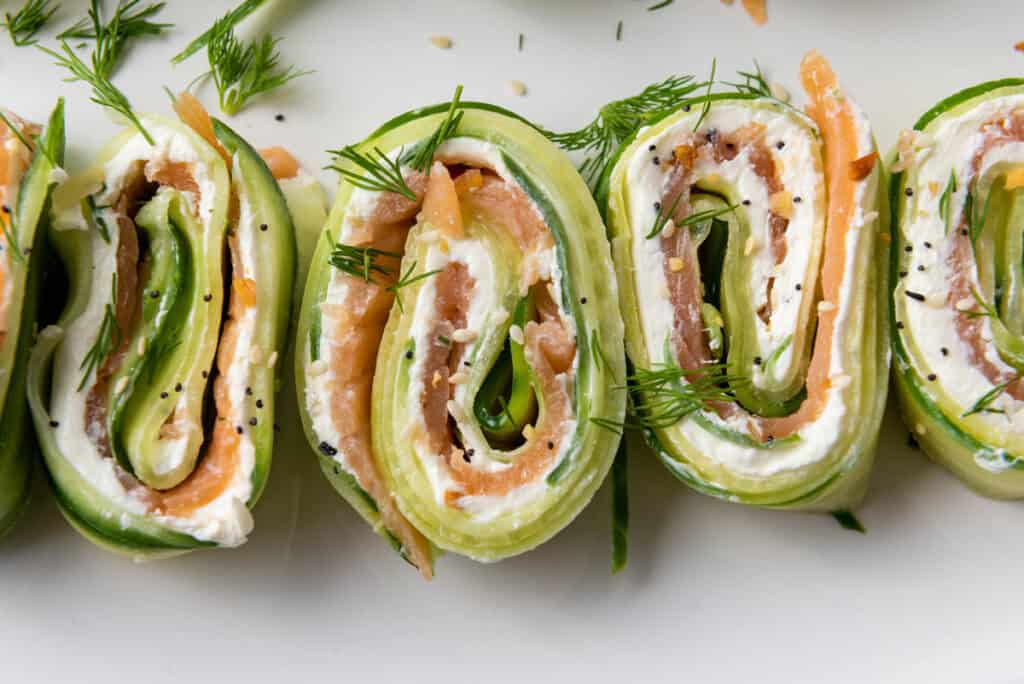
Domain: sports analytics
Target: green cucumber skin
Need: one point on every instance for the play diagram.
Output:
(82, 505)
(941, 438)
(17, 444)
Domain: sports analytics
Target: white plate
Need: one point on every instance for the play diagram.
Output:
(713, 591)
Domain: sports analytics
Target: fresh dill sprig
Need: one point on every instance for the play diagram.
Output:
(617, 120)
(11, 237)
(976, 222)
(754, 82)
(984, 310)
(241, 70)
(94, 217)
(16, 132)
(706, 107)
(232, 19)
(24, 24)
(360, 262)
(108, 338)
(945, 198)
(407, 280)
(382, 174)
(129, 21)
(104, 93)
(774, 356)
(664, 395)
(423, 156)
(663, 217)
(984, 403)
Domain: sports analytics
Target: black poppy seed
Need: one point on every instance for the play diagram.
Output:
(899, 325)
(799, 287)
(909, 192)
(54, 424)
(205, 375)
(915, 295)
(164, 395)
(657, 161)
(279, 117)
(798, 199)
(239, 429)
(583, 300)
(467, 363)
(7, 209)
(927, 245)
(652, 148)
(154, 294)
(779, 145)
(657, 206)
(945, 351)
(207, 297)
(932, 377)
(912, 441)
(757, 360)
(467, 455)
(177, 388)
(248, 391)
(264, 227)
(746, 203)
(770, 439)
(277, 428)
(686, 108)
(963, 231)
(921, 268)
(551, 445)
(408, 354)
(259, 403)
(253, 421)
(27, 251)
(903, 274)
(908, 248)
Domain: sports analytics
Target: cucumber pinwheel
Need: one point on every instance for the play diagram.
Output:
(153, 395)
(746, 235)
(458, 332)
(30, 166)
(957, 276)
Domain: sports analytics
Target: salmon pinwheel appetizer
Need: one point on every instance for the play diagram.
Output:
(459, 331)
(957, 279)
(154, 393)
(30, 166)
(748, 240)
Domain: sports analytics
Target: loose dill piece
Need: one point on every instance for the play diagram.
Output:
(976, 222)
(754, 82)
(241, 70)
(408, 279)
(706, 107)
(984, 403)
(12, 239)
(360, 262)
(24, 24)
(617, 120)
(96, 219)
(423, 156)
(382, 174)
(664, 395)
(107, 339)
(774, 356)
(230, 19)
(618, 31)
(600, 361)
(620, 509)
(984, 310)
(16, 132)
(660, 5)
(104, 93)
(664, 216)
(519, 42)
(129, 21)
(945, 198)
(848, 521)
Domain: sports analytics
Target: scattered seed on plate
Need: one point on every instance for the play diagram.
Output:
(441, 42)
(517, 88)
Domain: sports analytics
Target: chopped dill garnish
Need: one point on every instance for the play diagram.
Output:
(423, 155)
(407, 280)
(706, 107)
(24, 24)
(232, 18)
(129, 21)
(107, 338)
(360, 262)
(984, 403)
(382, 174)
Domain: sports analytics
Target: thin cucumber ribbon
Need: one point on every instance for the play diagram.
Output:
(957, 284)
(153, 395)
(455, 342)
(749, 246)
(30, 167)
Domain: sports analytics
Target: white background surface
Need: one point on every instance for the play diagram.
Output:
(714, 591)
